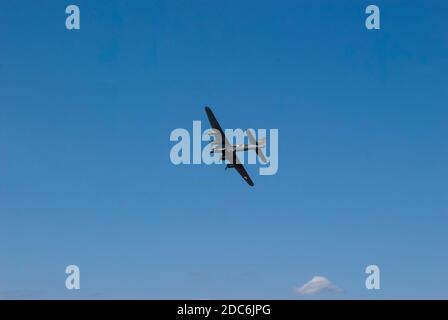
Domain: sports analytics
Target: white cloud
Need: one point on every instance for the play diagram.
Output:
(316, 285)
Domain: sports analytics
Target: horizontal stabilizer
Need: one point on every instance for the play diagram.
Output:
(260, 144)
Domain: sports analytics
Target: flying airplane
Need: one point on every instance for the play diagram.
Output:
(228, 151)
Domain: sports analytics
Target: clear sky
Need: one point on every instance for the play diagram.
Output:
(86, 178)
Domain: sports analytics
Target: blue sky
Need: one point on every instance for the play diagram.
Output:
(85, 174)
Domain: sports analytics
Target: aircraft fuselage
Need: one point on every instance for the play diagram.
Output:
(237, 148)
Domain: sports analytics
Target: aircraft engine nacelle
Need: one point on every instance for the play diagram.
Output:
(212, 132)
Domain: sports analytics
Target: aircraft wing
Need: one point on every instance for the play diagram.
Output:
(240, 168)
(233, 159)
(215, 125)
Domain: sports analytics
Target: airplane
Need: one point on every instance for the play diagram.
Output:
(228, 151)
